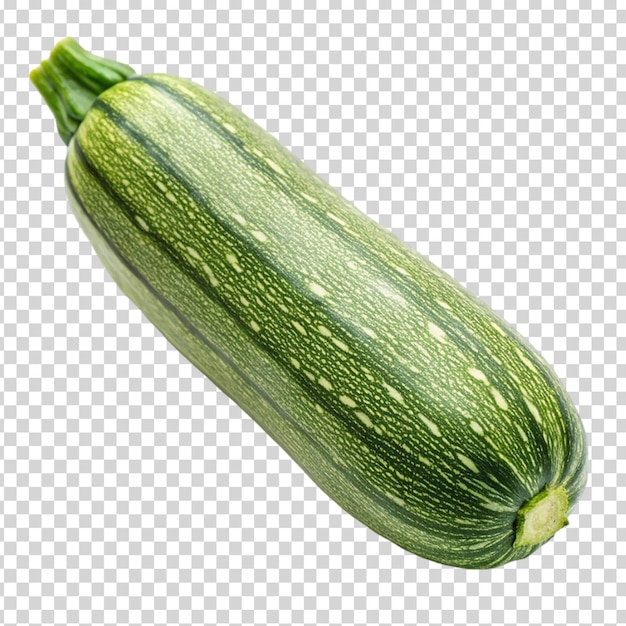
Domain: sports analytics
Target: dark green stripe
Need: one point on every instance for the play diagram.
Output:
(378, 445)
(208, 120)
(385, 447)
(410, 289)
(362, 486)
(576, 465)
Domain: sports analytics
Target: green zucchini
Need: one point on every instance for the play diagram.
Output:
(408, 401)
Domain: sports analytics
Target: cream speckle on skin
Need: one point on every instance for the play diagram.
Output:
(195, 170)
(301, 329)
(335, 218)
(494, 506)
(522, 433)
(525, 360)
(498, 328)
(142, 223)
(394, 393)
(436, 332)
(325, 383)
(324, 331)
(477, 374)
(340, 344)
(255, 327)
(386, 291)
(275, 166)
(240, 218)
(347, 401)
(261, 236)
(533, 409)
(318, 290)
(306, 196)
(434, 429)
(477, 428)
(209, 272)
(468, 463)
(396, 499)
(193, 253)
(500, 401)
(295, 363)
(368, 373)
(364, 418)
(234, 261)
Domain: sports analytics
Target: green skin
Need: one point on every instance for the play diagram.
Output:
(409, 402)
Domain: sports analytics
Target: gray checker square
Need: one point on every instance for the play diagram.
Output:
(490, 136)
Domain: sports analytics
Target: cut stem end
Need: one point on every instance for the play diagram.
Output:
(71, 79)
(541, 517)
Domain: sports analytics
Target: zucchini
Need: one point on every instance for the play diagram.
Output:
(408, 401)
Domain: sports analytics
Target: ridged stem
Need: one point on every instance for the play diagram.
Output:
(540, 517)
(71, 79)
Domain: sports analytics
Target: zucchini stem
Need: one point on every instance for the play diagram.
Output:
(71, 79)
(541, 517)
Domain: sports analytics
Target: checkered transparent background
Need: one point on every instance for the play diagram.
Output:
(489, 136)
